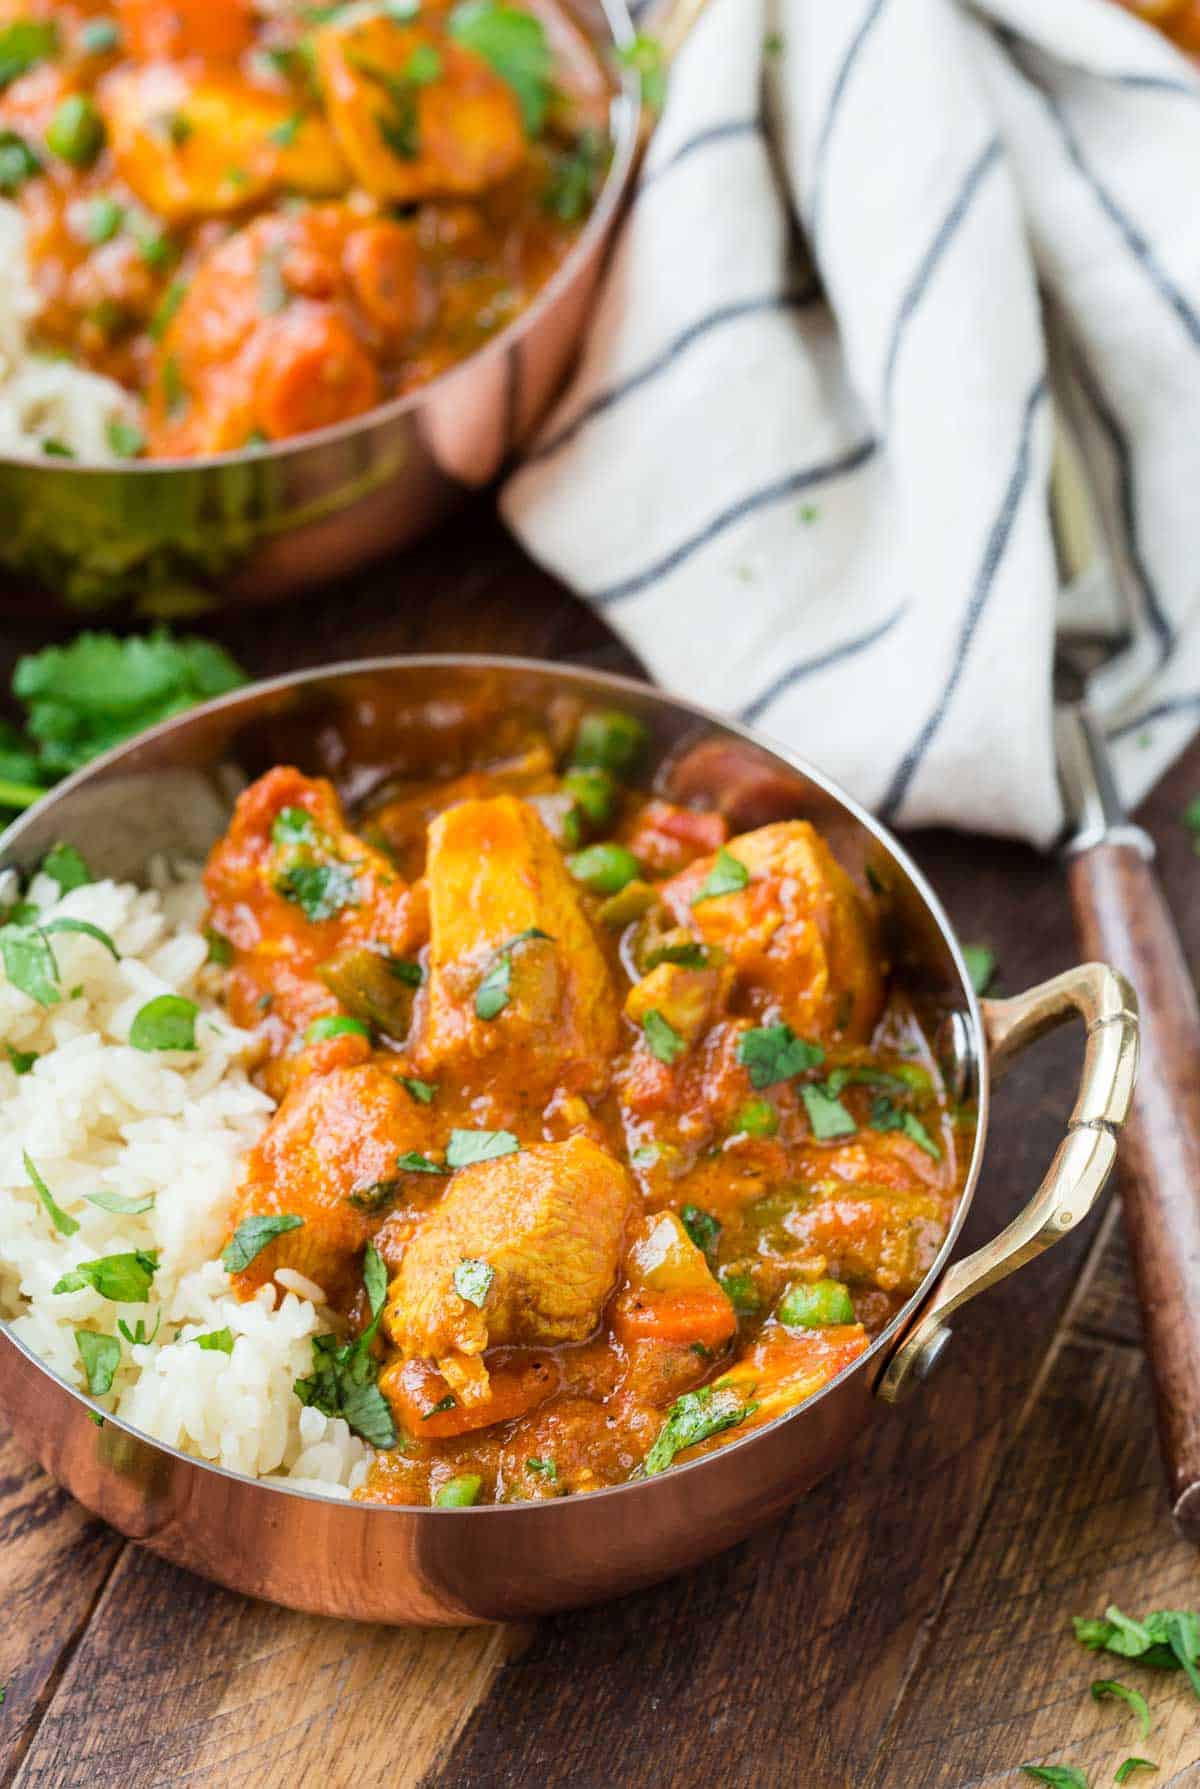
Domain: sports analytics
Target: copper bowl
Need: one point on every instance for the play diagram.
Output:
(256, 525)
(171, 791)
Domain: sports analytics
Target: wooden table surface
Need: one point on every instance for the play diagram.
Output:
(906, 1626)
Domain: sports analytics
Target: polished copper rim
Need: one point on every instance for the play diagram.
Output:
(869, 1362)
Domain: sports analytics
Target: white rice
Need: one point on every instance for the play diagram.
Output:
(42, 398)
(94, 1113)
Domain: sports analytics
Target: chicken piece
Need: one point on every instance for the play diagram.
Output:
(415, 113)
(798, 933)
(292, 890)
(495, 883)
(330, 1157)
(523, 1250)
(196, 144)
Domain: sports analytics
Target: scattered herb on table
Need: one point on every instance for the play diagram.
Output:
(980, 960)
(1060, 1776)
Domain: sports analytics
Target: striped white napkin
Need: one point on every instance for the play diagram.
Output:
(821, 504)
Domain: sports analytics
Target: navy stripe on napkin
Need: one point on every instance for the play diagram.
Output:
(678, 346)
(775, 492)
(998, 538)
(809, 667)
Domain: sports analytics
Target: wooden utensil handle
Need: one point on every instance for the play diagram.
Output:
(1123, 919)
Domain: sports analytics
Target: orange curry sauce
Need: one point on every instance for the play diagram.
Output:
(606, 1127)
(263, 219)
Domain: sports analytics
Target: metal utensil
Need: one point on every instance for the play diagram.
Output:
(171, 791)
(1122, 916)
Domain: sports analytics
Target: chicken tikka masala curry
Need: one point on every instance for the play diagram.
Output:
(606, 1135)
(265, 218)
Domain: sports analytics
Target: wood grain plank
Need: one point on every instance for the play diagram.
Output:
(179, 1682)
(54, 1559)
(1079, 1520)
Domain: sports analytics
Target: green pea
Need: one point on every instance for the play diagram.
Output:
(604, 869)
(594, 793)
(460, 1492)
(335, 1025)
(815, 1305)
(76, 131)
(609, 740)
(740, 1290)
(758, 1117)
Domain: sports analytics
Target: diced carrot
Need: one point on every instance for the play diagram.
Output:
(383, 263)
(311, 372)
(416, 1392)
(219, 30)
(685, 1317)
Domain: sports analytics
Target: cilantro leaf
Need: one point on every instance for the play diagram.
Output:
(252, 1236)
(516, 46)
(372, 1195)
(343, 1383)
(702, 1227)
(375, 1279)
(65, 924)
(411, 974)
(886, 1116)
(827, 1115)
(137, 1336)
(101, 1356)
(771, 1053)
(321, 889)
(413, 1162)
(421, 1091)
(99, 689)
(168, 1022)
(727, 876)
(24, 44)
(20, 1061)
(468, 1147)
(1061, 1776)
(491, 996)
(695, 1417)
(125, 1279)
(29, 963)
(1106, 1686)
(547, 1469)
(64, 865)
(662, 1039)
(1126, 1770)
(217, 1341)
(121, 1205)
(66, 1226)
(473, 1281)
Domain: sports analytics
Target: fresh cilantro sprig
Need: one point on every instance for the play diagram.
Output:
(344, 1379)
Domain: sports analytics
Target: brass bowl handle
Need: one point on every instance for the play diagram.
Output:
(1107, 1005)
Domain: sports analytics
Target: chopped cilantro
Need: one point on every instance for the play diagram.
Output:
(252, 1236)
(125, 438)
(727, 876)
(980, 960)
(121, 1204)
(20, 1061)
(101, 1356)
(421, 1091)
(413, 1162)
(64, 865)
(1107, 1686)
(321, 889)
(217, 1341)
(886, 1116)
(473, 1281)
(516, 46)
(125, 1279)
(65, 1225)
(695, 1417)
(547, 1469)
(662, 1039)
(772, 1053)
(702, 1227)
(24, 44)
(827, 1116)
(468, 1147)
(18, 162)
